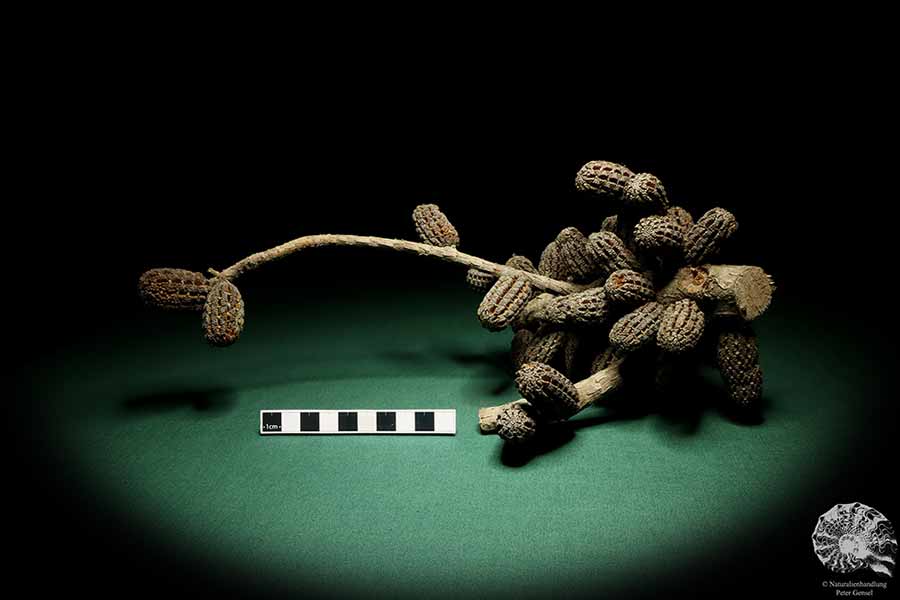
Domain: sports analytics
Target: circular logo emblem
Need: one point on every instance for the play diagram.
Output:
(850, 537)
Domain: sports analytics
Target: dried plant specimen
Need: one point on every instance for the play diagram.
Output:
(682, 217)
(479, 280)
(656, 233)
(581, 309)
(637, 327)
(645, 194)
(704, 239)
(613, 251)
(737, 356)
(604, 178)
(681, 326)
(173, 289)
(516, 424)
(578, 255)
(503, 302)
(631, 302)
(223, 314)
(434, 227)
(627, 287)
(549, 391)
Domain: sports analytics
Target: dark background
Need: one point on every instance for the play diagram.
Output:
(143, 159)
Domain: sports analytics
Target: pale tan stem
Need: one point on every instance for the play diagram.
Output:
(447, 253)
(731, 290)
(590, 391)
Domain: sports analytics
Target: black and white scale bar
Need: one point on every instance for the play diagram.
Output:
(336, 422)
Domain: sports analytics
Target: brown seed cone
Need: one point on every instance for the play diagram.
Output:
(503, 302)
(571, 355)
(682, 217)
(660, 235)
(582, 262)
(173, 289)
(603, 359)
(644, 194)
(479, 280)
(737, 357)
(433, 226)
(552, 263)
(681, 327)
(522, 263)
(636, 328)
(580, 309)
(551, 393)
(604, 178)
(704, 239)
(628, 287)
(545, 347)
(522, 339)
(223, 314)
(613, 253)
(517, 423)
(746, 396)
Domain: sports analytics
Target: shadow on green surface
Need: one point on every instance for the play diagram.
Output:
(210, 402)
(679, 417)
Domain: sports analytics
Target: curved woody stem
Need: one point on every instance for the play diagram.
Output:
(446, 253)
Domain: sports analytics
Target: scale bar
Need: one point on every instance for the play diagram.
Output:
(356, 422)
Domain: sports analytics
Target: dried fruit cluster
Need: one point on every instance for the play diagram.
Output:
(638, 290)
(649, 298)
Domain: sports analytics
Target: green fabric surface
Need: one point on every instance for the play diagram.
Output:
(164, 429)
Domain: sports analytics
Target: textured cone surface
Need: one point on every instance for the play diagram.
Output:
(682, 217)
(746, 395)
(173, 289)
(223, 314)
(522, 263)
(517, 424)
(737, 356)
(604, 178)
(612, 252)
(658, 234)
(637, 327)
(581, 309)
(582, 262)
(545, 347)
(644, 194)
(503, 302)
(479, 280)
(519, 347)
(552, 263)
(571, 349)
(551, 393)
(603, 359)
(704, 239)
(434, 227)
(681, 326)
(628, 287)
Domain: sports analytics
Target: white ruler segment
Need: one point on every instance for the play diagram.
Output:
(355, 422)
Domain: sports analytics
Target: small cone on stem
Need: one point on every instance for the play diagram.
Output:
(551, 393)
(223, 314)
(707, 235)
(604, 178)
(628, 287)
(434, 227)
(173, 289)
